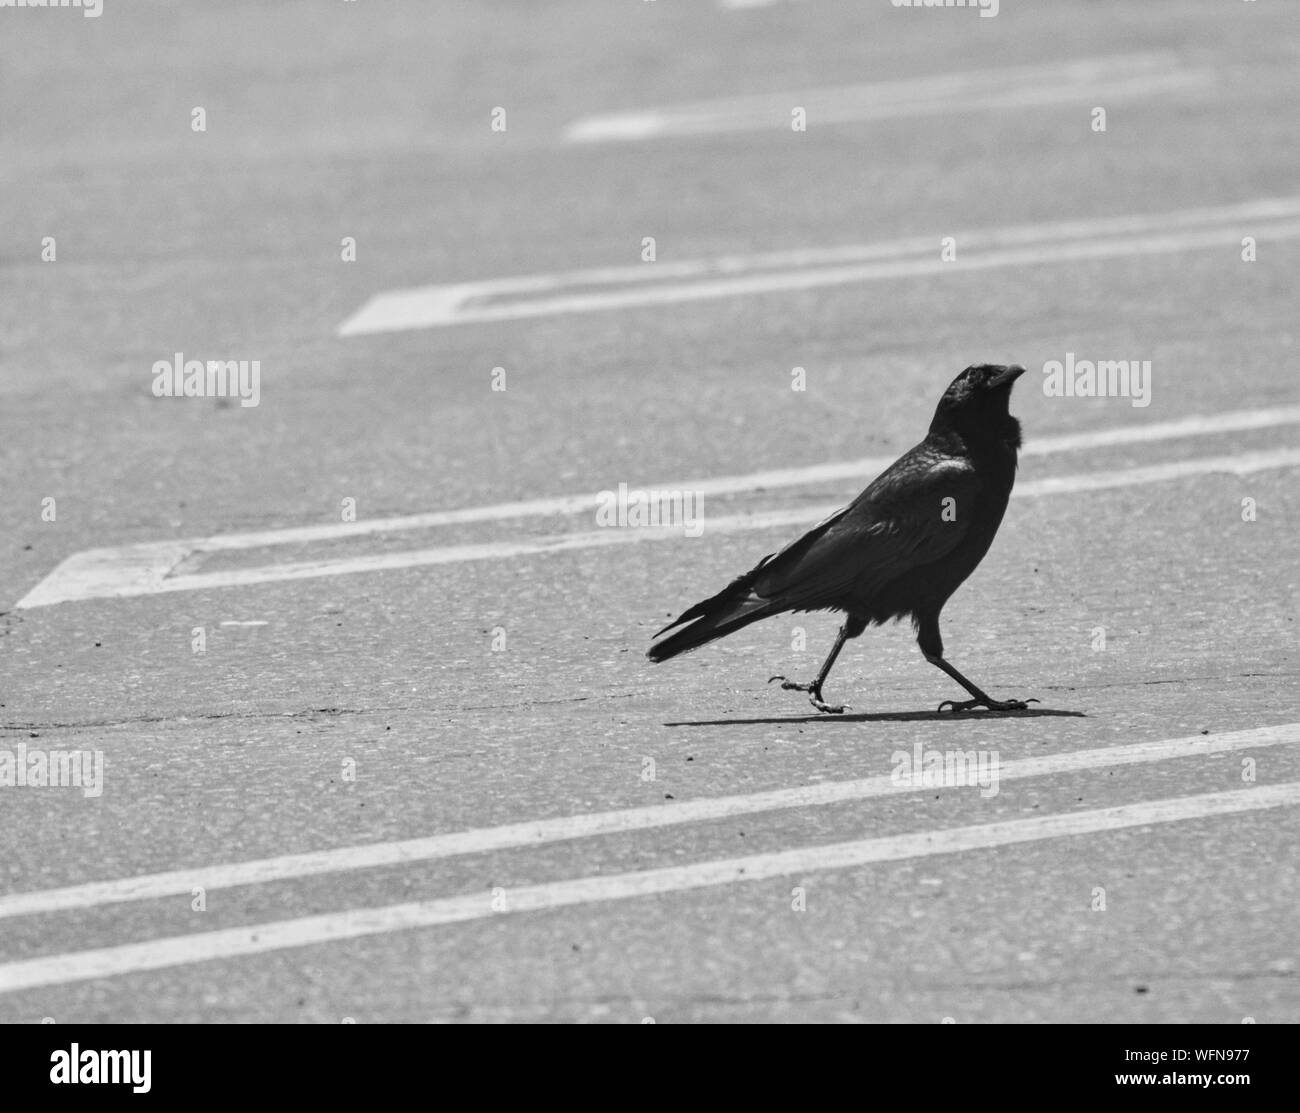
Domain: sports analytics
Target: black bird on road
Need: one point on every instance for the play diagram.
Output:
(902, 547)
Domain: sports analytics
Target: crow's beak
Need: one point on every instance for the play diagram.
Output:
(1010, 375)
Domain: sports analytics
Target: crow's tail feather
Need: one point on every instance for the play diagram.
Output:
(733, 607)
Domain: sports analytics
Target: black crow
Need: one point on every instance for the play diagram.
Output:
(902, 547)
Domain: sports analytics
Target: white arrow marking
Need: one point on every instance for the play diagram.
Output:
(147, 568)
(605, 288)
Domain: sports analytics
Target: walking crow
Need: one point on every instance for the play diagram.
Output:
(902, 547)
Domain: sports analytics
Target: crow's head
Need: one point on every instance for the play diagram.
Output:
(976, 401)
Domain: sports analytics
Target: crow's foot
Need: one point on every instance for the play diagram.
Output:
(814, 691)
(991, 704)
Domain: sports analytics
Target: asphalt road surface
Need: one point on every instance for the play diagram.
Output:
(365, 757)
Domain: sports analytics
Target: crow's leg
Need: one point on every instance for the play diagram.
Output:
(851, 629)
(927, 637)
(981, 699)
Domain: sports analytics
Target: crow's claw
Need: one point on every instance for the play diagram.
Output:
(991, 704)
(814, 695)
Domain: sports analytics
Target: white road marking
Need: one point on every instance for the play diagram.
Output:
(157, 954)
(135, 570)
(663, 283)
(540, 832)
(255, 622)
(947, 94)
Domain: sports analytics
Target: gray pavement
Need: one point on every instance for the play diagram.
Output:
(371, 706)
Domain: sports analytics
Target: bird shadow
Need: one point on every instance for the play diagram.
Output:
(886, 717)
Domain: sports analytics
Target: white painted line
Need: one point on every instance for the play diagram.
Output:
(660, 283)
(143, 569)
(861, 104)
(947, 94)
(259, 871)
(255, 622)
(157, 954)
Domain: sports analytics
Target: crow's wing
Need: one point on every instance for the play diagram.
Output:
(897, 524)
